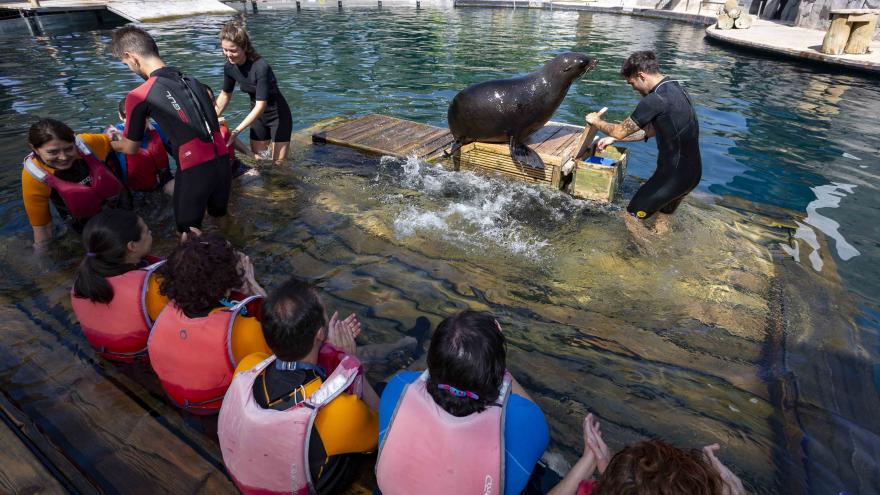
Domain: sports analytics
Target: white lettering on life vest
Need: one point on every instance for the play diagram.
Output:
(487, 488)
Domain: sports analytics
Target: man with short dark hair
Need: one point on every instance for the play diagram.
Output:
(298, 420)
(666, 112)
(181, 106)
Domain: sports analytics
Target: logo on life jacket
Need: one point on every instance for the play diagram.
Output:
(183, 334)
(176, 107)
(487, 488)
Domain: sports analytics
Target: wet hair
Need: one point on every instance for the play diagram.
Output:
(236, 33)
(292, 316)
(653, 467)
(467, 352)
(645, 61)
(121, 107)
(45, 130)
(134, 40)
(199, 272)
(106, 235)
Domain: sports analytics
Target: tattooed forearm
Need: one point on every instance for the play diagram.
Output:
(639, 135)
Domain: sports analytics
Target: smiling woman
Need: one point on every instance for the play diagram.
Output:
(70, 171)
(269, 118)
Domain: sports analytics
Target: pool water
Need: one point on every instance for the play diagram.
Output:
(755, 324)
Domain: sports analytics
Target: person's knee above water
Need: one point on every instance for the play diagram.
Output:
(646, 468)
(265, 427)
(115, 294)
(665, 111)
(210, 323)
(147, 169)
(269, 119)
(181, 107)
(69, 172)
(463, 426)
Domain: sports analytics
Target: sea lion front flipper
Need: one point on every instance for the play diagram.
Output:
(524, 155)
(456, 145)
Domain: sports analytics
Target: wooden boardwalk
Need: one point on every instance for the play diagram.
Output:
(556, 143)
(386, 135)
(132, 10)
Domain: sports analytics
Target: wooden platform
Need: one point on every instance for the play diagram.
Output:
(132, 10)
(556, 144)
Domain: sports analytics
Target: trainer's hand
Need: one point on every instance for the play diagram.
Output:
(596, 117)
(605, 142)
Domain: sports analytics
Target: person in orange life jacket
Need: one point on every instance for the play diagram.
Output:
(269, 119)
(264, 430)
(210, 323)
(115, 293)
(647, 467)
(67, 171)
(463, 426)
(146, 170)
(180, 105)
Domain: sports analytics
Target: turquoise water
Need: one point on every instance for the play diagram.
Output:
(755, 325)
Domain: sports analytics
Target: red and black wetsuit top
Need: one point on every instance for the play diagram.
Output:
(184, 110)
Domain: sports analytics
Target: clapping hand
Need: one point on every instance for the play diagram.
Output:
(593, 441)
(341, 333)
(732, 485)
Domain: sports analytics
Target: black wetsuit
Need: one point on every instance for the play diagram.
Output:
(679, 167)
(257, 80)
(185, 113)
(330, 474)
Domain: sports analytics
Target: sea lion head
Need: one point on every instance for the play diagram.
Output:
(570, 65)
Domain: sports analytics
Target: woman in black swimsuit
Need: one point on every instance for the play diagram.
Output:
(269, 118)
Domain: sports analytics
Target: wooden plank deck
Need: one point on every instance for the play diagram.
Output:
(386, 135)
(555, 143)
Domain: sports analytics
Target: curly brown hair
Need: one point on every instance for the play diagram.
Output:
(199, 272)
(653, 467)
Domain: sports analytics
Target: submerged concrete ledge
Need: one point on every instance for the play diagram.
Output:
(794, 42)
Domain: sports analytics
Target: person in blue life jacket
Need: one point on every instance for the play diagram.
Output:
(463, 426)
(148, 169)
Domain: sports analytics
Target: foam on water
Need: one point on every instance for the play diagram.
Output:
(472, 210)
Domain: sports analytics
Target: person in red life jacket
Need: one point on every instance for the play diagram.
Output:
(69, 172)
(232, 142)
(464, 425)
(270, 120)
(146, 170)
(115, 294)
(298, 421)
(181, 107)
(210, 323)
(645, 468)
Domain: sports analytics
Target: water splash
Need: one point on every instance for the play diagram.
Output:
(827, 196)
(474, 211)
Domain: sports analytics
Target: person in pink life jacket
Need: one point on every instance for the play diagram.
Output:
(464, 425)
(645, 468)
(298, 421)
(210, 323)
(115, 295)
(148, 168)
(69, 172)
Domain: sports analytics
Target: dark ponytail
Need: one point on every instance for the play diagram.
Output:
(106, 237)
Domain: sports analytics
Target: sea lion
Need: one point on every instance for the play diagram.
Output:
(510, 110)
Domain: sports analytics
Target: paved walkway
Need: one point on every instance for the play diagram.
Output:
(801, 43)
(765, 36)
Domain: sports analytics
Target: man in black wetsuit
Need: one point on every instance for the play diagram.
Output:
(185, 112)
(666, 112)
